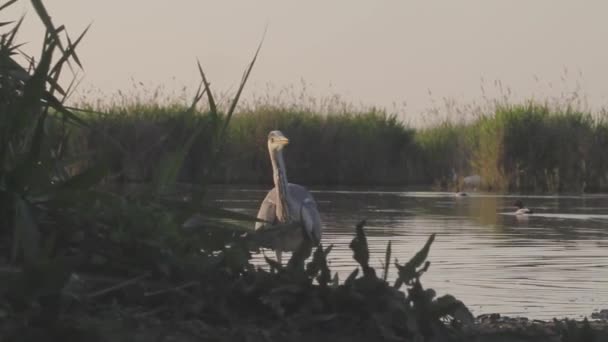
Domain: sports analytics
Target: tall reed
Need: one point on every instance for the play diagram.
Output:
(527, 147)
(530, 148)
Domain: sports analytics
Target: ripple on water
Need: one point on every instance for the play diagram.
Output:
(553, 264)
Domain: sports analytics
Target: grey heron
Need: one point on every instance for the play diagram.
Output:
(288, 203)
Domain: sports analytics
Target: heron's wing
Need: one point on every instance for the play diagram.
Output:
(311, 219)
(268, 209)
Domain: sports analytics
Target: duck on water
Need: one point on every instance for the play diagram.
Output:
(521, 209)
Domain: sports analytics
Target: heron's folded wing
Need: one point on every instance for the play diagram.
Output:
(311, 220)
(268, 210)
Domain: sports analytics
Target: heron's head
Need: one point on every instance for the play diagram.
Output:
(276, 140)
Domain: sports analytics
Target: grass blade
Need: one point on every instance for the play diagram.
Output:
(13, 33)
(421, 256)
(48, 23)
(212, 106)
(408, 271)
(7, 4)
(387, 260)
(197, 97)
(70, 52)
(241, 87)
(74, 83)
(54, 103)
(74, 55)
(34, 87)
(360, 248)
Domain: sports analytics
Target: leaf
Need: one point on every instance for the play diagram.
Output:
(70, 52)
(408, 272)
(296, 262)
(197, 97)
(72, 46)
(421, 256)
(12, 34)
(398, 282)
(34, 89)
(74, 83)
(328, 250)
(7, 4)
(212, 106)
(325, 275)
(351, 277)
(387, 260)
(46, 20)
(319, 264)
(54, 103)
(53, 81)
(360, 248)
(241, 87)
(219, 144)
(335, 282)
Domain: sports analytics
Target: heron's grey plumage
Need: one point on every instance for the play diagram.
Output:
(288, 202)
(302, 207)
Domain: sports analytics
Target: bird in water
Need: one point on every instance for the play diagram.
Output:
(521, 210)
(287, 203)
(460, 193)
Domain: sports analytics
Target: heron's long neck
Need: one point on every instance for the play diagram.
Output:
(280, 183)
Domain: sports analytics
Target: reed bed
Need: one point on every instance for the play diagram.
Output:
(520, 147)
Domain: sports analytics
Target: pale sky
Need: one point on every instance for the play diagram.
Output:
(373, 52)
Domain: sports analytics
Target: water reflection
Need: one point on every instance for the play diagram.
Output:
(553, 263)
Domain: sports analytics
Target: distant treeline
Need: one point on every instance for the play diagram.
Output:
(516, 148)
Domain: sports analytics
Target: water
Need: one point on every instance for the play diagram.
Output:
(552, 264)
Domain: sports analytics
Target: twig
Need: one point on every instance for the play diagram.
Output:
(171, 289)
(117, 286)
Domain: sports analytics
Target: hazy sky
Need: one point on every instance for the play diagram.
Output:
(373, 52)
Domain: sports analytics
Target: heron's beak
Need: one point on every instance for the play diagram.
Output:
(282, 141)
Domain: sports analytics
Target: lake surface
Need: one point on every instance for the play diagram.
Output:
(552, 264)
